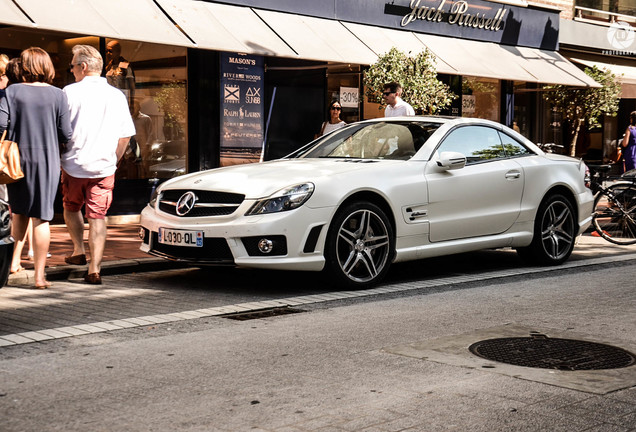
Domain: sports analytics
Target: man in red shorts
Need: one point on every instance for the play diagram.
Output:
(102, 127)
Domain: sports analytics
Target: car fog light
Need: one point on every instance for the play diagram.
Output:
(265, 245)
(141, 233)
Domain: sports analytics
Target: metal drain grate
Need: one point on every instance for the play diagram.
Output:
(263, 313)
(540, 351)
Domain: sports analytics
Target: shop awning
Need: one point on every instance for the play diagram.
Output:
(626, 75)
(550, 67)
(225, 28)
(12, 15)
(381, 40)
(139, 20)
(233, 28)
(318, 39)
(480, 59)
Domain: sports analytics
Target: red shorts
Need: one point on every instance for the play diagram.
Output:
(96, 193)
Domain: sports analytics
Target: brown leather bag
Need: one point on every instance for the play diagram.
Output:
(10, 169)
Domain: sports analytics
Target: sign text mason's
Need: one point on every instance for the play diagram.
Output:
(456, 14)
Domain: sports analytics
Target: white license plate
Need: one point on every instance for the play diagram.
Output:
(181, 237)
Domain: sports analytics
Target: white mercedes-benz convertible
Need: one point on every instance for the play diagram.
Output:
(374, 193)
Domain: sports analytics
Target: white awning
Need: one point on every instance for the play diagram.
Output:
(318, 39)
(550, 67)
(12, 15)
(625, 74)
(480, 59)
(381, 40)
(473, 58)
(139, 20)
(225, 28)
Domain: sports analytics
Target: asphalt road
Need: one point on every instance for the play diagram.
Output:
(389, 360)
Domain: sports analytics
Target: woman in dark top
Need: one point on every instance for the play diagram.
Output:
(629, 144)
(36, 116)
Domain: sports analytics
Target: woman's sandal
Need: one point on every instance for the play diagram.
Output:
(18, 270)
(45, 285)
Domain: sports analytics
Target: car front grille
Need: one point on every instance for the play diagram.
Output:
(207, 203)
(214, 251)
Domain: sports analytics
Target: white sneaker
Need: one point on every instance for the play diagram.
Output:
(30, 255)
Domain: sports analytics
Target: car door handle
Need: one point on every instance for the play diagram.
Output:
(511, 175)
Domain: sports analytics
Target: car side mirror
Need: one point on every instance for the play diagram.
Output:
(451, 161)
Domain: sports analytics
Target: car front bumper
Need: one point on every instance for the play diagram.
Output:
(297, 238)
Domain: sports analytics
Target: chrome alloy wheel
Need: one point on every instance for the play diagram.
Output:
(363, 246)
(557, 230)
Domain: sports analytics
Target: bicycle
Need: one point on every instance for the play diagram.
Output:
(614, 217)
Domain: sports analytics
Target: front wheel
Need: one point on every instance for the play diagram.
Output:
(360, 245)
(615, 214)
(554, 233)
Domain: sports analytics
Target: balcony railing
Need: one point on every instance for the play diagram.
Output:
(602, 17)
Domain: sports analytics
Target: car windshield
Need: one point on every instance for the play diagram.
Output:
(381, 140)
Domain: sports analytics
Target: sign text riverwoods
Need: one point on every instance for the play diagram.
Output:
(457, 14)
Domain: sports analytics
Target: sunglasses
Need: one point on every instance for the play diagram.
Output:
(387, 93)
(336, 108)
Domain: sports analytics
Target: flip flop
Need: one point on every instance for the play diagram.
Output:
(18, 270)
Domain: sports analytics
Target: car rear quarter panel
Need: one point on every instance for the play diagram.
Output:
(544, 175)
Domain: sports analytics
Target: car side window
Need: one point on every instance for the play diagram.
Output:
(477, 143)
(512, 147)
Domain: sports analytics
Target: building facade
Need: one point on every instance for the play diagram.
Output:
(213, 83)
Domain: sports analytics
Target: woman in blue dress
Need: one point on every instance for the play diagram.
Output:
(36, 116)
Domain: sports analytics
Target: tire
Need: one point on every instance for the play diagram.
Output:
(554, 233)
(6, 252)
(360, 245)
(614, 216)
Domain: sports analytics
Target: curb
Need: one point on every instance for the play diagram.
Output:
(109, 268)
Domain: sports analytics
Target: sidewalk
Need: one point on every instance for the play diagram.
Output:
(121, 255)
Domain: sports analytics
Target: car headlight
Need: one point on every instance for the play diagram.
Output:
(285, 199)
(153, 198)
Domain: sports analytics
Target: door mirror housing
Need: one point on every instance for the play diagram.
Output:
(450, 161)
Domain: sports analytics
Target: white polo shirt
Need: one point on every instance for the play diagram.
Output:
(401, 108)
(100, 117)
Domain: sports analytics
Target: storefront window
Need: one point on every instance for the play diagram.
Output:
(481, 98)
(343, 84)
(523, 113)
(153, 78)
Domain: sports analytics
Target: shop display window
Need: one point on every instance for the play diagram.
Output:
(343, 84)
(153, 78)
(481, 98)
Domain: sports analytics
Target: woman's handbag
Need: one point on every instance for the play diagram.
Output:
(10, 169)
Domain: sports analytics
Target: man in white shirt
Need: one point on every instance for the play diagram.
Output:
(395, 106)
(102, 127)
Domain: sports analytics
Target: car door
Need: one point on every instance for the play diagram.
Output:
(484, 197)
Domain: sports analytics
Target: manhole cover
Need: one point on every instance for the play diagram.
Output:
(540, 351)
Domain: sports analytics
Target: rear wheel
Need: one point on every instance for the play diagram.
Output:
(554, 232)
(360, 245)
(615, 214)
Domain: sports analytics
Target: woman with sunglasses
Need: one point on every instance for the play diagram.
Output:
(334, 121)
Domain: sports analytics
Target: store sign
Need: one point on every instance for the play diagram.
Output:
(242, 100)
(349, 97)
(469, 103)
(455, 13)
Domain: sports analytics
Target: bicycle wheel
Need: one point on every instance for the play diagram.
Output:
(615, 214)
